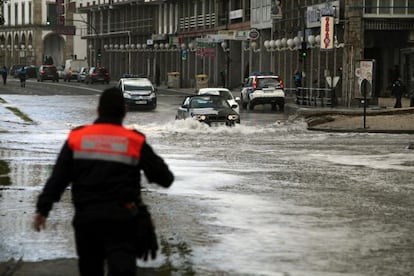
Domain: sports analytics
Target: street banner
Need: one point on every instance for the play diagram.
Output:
(364, 70)
(327, 32)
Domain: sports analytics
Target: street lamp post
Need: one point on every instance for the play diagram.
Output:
(226, 50)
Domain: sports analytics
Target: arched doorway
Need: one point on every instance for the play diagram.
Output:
(53, 47)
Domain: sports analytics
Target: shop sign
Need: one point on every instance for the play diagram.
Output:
(254, 34)
(314, 13)
(65, 30)
(236, 14)
(327, 35)
(206, 52)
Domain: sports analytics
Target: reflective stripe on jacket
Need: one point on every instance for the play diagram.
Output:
(106, 142)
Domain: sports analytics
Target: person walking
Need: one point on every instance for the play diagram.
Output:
(398, 90)
(103, 163)
(22, 76)
(4, 74)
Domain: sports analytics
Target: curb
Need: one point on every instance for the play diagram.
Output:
(362, 130)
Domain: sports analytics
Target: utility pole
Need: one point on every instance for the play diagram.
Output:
(303, 52)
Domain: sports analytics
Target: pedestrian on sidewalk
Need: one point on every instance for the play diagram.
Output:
(398, 90)
(103, 163)
(22, 76)
(4, 74)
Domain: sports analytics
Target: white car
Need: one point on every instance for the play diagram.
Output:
(138, 92)
(263, 89)
(223, 92)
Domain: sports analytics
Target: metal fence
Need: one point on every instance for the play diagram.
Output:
(320, 97)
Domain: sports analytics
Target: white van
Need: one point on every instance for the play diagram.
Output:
(72, 68)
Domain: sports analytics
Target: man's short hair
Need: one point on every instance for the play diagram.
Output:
(111, 103)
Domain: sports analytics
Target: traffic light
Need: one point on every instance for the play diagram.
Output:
(303, 52)
(98, 53)
(48, 22)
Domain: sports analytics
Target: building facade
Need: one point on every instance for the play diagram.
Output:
(29, 34)
(336, 43)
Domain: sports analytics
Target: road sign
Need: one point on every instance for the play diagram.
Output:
(65, 30)
(254, 34)
(332, 82)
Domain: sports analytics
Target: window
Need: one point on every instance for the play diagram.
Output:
(23, 14)
(371, 6)
(30, 13)
(16, 14)
(384, 8)
(9, 14)
(393, 8)
(51, 13)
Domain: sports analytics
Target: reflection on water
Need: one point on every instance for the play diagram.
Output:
(24, 168)
(4, 171)
(267, 198)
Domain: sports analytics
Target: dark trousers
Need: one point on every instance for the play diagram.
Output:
(398, 101)
(105, 243)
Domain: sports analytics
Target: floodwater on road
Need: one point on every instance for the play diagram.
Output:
(267, 197)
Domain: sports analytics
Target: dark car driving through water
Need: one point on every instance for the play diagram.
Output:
(210, 109)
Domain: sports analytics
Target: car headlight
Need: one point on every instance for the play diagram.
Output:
(232, 117)
(199, 117)
(127, 96)
(152, 95)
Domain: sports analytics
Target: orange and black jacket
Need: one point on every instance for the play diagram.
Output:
(103, 162)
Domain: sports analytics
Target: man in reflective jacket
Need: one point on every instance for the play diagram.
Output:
(103, 163)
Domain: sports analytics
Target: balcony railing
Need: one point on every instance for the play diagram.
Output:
(198, 21)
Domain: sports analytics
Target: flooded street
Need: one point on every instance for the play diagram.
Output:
(267, 197)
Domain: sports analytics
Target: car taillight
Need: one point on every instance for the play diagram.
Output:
(255, 84)
(281, 84)
(93, 74)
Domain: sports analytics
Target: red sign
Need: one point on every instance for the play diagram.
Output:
(60, 12)
(327, 32)
(65, 30)
(206, 52)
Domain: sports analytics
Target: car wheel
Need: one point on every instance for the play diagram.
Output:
(243, 103)
(251, 106)
(281, 106)
(273, 106)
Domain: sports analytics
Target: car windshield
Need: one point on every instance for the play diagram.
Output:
(223, 93)
(268, 82)
(216, 102)
(50, 69)
(134, 87)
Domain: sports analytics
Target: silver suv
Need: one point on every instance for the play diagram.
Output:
(263, 89)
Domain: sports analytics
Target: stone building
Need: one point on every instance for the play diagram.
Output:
(29, 34)
(335, 43)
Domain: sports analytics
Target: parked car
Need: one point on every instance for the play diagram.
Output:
(138, 92)
(72, 68)
(61, 71)
(263, 88)
(225, 93)
(97, 74)
(13, 70)
(31, 71)
(212, 110)
(82, 74)
(47, 72)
